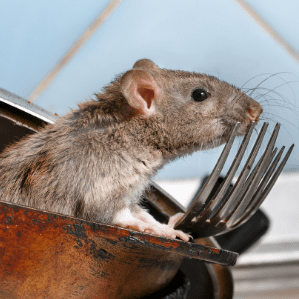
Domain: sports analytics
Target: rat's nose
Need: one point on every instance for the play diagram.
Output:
(255, 112)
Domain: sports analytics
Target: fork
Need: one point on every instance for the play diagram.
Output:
(219, 214)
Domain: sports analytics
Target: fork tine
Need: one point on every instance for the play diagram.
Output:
(251, 184)
(226, 207)
(251, 176)
(266, 177)
(266, 191)
(255, 199)
(244, 202)
(217, 198)
(254, 179)
(271, 143)
(199, 201)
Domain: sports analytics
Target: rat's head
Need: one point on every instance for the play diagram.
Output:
(193, 110)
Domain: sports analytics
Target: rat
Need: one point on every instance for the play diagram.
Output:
(96, 162)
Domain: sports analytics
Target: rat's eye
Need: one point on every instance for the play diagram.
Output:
(200, 95)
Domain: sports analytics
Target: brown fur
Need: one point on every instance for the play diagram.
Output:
(97, 160)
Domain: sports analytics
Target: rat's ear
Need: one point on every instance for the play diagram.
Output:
(145, 64)
(140, 90)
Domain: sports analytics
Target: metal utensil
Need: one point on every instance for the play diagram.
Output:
(219, 214)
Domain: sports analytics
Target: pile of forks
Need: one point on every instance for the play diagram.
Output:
(210, 216)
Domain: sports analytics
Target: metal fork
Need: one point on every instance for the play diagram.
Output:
(219, 214)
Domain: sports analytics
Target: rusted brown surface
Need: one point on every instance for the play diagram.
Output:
(44, 255)
(49, 256)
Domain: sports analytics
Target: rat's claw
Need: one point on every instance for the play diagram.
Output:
(138, 226)
(147, 224)
(164, 230)
(172, 233)
(171, 223)
(182, 235)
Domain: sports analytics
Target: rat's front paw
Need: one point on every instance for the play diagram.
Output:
(146, 223)
(180, 234)
(169, 232)
(161, 230)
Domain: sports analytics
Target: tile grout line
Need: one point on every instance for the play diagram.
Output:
(74, 49)
(268, 29)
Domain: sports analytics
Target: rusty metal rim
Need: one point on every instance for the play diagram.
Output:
(118, 234)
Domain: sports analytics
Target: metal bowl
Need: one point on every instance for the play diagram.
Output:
(47, 255)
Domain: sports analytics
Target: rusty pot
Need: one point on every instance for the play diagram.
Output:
(46, 255)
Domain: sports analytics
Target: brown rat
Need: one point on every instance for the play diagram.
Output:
(96, 162)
